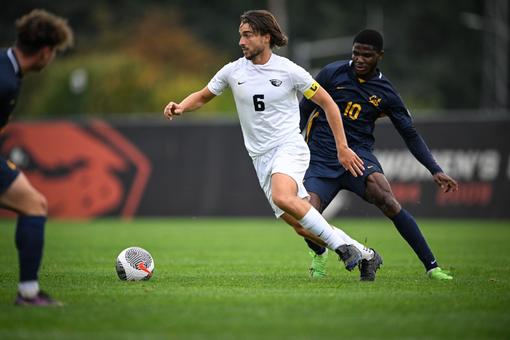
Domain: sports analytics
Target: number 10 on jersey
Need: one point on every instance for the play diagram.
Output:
(352, 110)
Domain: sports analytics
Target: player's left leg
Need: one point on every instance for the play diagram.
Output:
(288, 196)
(281, 172)
(285, 195)
(31, 207)
(322, 191)
(378, 192)
(318, 250)
(316, 201)
(323, 187)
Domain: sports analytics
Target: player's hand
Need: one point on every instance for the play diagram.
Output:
(446, 183)
(351, 162)
(172, 109)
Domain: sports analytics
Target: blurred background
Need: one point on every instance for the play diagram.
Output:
(132, 56)
(448, 60)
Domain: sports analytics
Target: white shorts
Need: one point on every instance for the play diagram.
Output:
(291, 158)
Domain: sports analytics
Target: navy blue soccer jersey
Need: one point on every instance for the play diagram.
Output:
(10, 82)
(361, 103)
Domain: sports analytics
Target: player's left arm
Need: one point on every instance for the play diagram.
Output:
(402, 121)
(445, 182)
(348, 158)
(306, 106)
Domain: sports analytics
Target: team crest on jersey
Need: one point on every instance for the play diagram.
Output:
(275, 82)
(374, 100)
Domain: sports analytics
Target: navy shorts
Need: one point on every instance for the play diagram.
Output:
(8, 173)
(327, 181)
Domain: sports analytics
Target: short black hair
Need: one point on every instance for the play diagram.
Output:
(370, 37)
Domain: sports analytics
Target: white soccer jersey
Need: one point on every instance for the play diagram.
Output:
(266, 99)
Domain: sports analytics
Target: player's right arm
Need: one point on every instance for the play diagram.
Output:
(197, 99)
(192, 102)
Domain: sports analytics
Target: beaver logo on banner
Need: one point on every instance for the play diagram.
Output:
(84, 171)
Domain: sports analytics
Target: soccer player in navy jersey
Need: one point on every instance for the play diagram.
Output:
(39, 36)
(363, 95)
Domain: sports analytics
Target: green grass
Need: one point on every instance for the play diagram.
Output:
(248, 279)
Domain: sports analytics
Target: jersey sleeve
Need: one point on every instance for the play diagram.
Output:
(306, 106)
(403, 122)
(303, 81)
(220, 80)
(7, 97)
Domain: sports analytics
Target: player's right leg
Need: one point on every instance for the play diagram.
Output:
(18, 195)
(378, 192)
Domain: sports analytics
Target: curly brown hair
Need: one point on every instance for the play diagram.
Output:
(263, 22)
(40, 28)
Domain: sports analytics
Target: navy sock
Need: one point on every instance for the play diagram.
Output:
(319, 250)
(29, 241)
(407, 227)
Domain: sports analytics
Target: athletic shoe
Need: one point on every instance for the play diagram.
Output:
(318, 265)
(41, 299)
(368, 268)
(439, 275)
(350, 255)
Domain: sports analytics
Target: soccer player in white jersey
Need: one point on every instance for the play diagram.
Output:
(265, 88)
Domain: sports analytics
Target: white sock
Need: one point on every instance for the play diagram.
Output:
(366, 253)
(317, 225)
(28, 289)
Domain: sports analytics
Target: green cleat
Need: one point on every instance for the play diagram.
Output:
(439, 275)
(318, 266)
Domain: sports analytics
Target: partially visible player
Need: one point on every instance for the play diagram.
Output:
(364, 95)
(39, 36)
(265, 88)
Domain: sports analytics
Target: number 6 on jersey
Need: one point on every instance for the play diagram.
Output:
(258, 104)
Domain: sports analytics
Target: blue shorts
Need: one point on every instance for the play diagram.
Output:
(327, 181)
(8, 173)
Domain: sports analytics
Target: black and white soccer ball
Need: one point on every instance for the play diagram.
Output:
(134, 264)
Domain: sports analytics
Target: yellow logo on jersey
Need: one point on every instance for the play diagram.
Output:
(309, 124)
(374, 100)
(11, 165)
(312, 90)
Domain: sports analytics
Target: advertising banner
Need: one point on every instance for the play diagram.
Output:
(149, 168)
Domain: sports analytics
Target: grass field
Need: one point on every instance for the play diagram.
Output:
(248, 279)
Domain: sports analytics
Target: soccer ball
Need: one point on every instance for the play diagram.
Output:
(134, 264)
